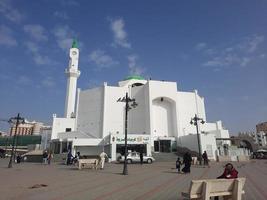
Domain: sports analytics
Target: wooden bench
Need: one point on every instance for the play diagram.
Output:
(204, 189)
(88, 163)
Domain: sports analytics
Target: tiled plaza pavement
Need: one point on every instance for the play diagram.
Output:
(156, 181)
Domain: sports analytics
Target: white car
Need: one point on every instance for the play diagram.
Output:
(135, 157)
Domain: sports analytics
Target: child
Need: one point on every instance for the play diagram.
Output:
(178, 164)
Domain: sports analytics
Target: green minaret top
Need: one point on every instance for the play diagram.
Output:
(74, 44)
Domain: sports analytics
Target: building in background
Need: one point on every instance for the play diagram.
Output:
(27, 128)
(261, 127)
(260, 138)
(34, 128)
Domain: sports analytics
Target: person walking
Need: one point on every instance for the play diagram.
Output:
(187, 159)
(178, 165)
(50, 156)
(45, 155)
(18, 158)
(69, 158)
(205, 158)
(102, 156)
(141, 157)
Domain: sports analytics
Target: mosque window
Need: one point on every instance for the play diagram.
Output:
(137, 84)
(68, 129)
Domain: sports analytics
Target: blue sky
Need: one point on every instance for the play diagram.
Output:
(217, 47)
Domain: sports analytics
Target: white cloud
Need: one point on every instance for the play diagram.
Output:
(61, 15)
(244, 61)
(32, 47)
(239, 54)
(36, 31)
(6, 37)
(133, 67)
(119, 34)
(64, 36)
(262, 55)
(42, 60)
(37, 57)
(250, 44)
(101, 59)
(210, 51)
(9, 12)
(48, 82)
(200, 46)
(228, 60)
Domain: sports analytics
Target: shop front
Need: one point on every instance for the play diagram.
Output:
(135, 143)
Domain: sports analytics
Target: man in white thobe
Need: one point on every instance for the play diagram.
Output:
(102, 156)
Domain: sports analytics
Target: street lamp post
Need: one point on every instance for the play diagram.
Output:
(14, 120)
(194, 121)
(127, 100)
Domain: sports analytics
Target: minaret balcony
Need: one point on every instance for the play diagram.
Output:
(72, 72)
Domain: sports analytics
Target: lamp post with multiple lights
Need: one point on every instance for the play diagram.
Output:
(14, 120)
(127, 100)
(194, 121)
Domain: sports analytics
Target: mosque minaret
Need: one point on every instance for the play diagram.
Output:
(72, 74)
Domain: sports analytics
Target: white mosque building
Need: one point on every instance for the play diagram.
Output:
(95, 120)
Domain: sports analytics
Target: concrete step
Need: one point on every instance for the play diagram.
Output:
(165, 157)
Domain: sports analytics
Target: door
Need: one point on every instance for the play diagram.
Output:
(156, 146)
(165, 146)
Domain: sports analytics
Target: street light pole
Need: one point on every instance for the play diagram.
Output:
(125, 168)
(12, 120)
(126, 99)
(194, 121)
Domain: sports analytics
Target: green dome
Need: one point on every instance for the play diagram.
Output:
(135, 77)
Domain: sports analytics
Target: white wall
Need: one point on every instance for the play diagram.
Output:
(137, 117)
(114, 111)
(207, 143)
(60, 125)
(189, 141)
(189, 104)
(90, 111)
(163, 118)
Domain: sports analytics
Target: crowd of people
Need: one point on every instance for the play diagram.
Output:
(229, 170)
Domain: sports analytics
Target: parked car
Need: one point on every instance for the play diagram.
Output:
(260, 154)
(134, 157)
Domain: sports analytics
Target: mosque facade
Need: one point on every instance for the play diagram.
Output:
(95, 119)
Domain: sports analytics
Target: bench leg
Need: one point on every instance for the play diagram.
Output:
(206, 191)
(237, 193)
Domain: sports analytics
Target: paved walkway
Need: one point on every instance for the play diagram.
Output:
(156, 181)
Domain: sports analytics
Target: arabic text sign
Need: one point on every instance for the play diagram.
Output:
(133, 139)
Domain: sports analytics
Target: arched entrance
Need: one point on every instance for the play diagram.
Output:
(163, 115)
